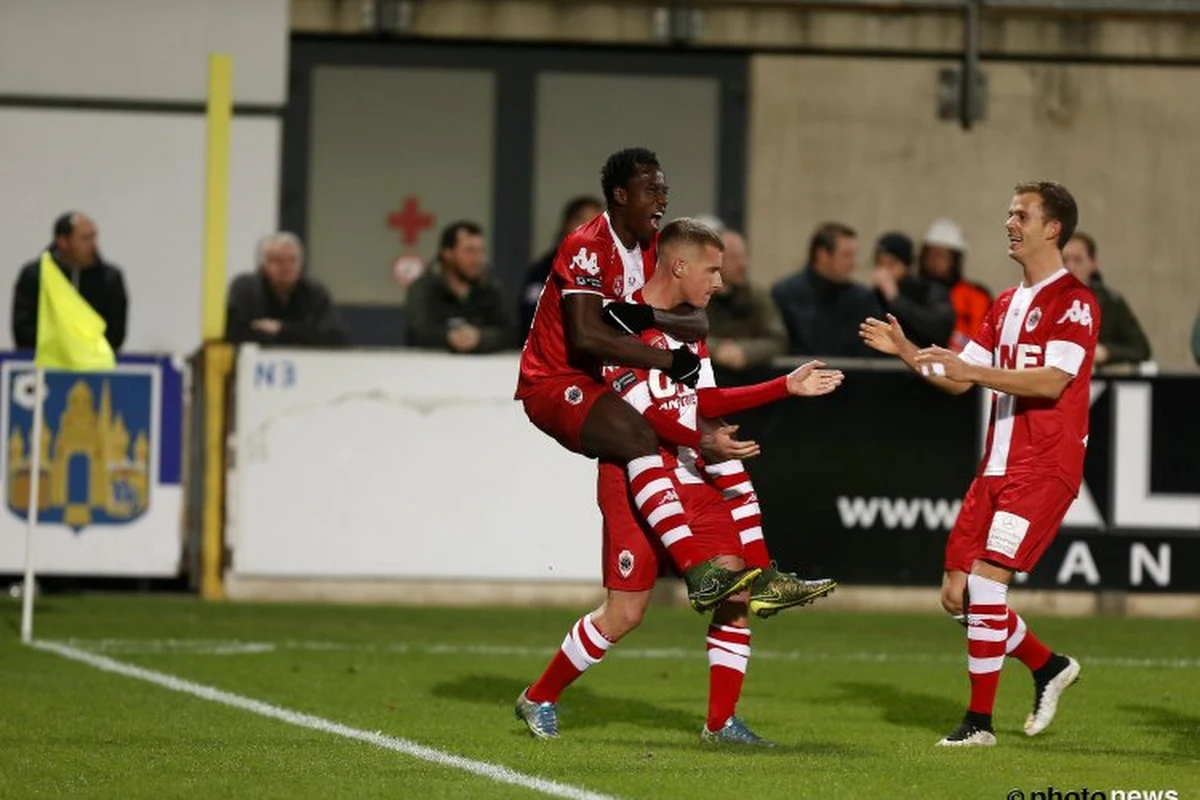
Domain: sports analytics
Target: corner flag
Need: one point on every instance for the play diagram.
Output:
(70, 334)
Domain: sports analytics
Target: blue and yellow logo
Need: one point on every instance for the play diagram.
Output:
(96, 447)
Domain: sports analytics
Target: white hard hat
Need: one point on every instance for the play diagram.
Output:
(944, 233)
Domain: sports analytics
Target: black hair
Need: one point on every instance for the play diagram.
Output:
(64, 224)
(450, 233)
(826, 236)
(573, 207)
(1089, 243)
(622, 167)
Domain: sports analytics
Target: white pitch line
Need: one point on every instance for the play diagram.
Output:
(484, 769)
(241, 647)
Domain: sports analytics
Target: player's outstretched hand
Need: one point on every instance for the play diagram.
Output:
(885, 337)
(810, 380)
(719, 445)
(942, 363)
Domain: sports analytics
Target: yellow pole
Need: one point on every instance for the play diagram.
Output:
(216, 194)
(218, 358)
(217, 364)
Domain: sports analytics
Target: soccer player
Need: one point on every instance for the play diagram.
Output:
(1034, 352)
(726, 524)
(559, 383)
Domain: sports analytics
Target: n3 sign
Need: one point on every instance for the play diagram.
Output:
(279, 374)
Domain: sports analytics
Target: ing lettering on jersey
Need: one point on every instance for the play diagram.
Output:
(1079, 312)
(1021, 356)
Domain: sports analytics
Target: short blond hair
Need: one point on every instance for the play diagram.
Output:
(687, 230)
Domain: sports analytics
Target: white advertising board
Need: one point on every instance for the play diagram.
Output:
(401, 465)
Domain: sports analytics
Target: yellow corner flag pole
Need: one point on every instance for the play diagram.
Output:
(216, 229)
(216, 194)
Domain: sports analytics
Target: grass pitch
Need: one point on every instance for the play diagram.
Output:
(855, 701)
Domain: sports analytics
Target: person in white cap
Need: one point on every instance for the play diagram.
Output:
(941, 260)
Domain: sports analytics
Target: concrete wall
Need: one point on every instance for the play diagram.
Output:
(108, 117)
(857, 140)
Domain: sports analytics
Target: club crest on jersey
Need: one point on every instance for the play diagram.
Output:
(660, 342)
(1079, 312)
(1033, 319)
(625, 563)
(573, 395)
(618, 286)
(586, 261)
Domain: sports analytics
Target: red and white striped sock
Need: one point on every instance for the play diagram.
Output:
(987, 637)
(735, 485)
(583, 647)
(1023, 645)
(657, 502)
(728, 656)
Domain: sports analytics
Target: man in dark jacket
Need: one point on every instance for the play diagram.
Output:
(821, 306)
(279, 304)
(577, 211)
(99, 283)
(1122, 340)
(922, 306)
(454, 306)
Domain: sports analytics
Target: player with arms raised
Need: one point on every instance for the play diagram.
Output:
(1034, 351)
(560, 385)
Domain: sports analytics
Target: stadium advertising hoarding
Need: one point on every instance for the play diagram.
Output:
(110, 498)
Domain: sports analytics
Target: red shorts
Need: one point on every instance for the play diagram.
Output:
(1009, 521)
(633, 557)
(558, 406)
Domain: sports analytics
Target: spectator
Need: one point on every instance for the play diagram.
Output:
(279, 304)
(922, 306)
(454, 306)
(576, 212)
(821, 306)
(1196, 340)
(941, 260)
(745, 329)
(1122, 340)
(98, 282)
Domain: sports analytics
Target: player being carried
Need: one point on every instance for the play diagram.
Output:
(718, 499)
(560, 385)
(1034, 351)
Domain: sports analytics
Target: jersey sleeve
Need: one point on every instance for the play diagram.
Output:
(581, 265)
(982, 345)
(1072, 337)
(633, 386)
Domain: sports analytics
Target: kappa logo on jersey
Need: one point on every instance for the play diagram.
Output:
(586, 261)
(573, 395)
(1033, 319)
(1079, 312)
(625, 563)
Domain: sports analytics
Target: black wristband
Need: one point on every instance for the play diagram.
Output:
(630, 318)
(685, 367)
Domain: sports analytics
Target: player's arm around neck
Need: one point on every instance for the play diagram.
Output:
(588, 334)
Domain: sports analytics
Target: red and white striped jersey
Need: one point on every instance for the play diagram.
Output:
(1053, 323)
(651, 392)
(590, 260)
